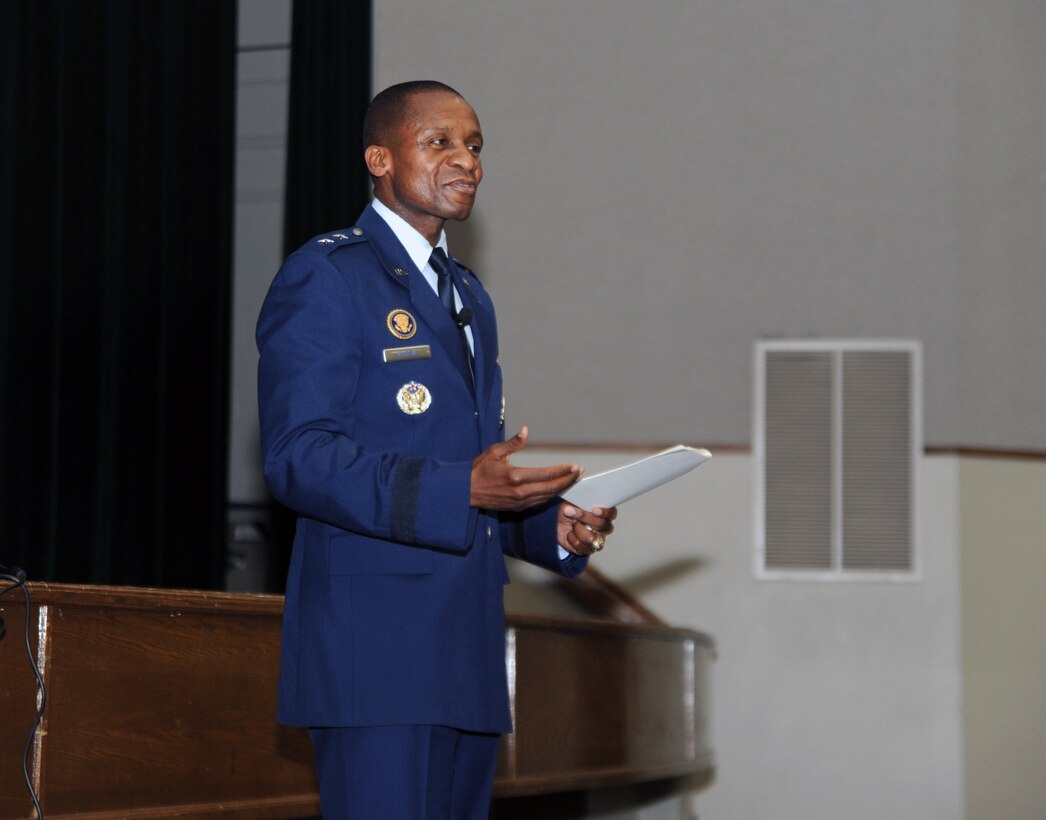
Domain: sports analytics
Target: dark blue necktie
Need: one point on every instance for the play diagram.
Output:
(445, 288)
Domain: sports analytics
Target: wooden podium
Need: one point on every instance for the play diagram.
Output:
(162, 704)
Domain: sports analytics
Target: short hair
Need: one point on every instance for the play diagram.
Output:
(388, 109)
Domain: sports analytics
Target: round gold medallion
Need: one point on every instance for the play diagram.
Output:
(401, 324)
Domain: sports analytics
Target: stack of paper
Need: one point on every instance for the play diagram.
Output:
(622, 483)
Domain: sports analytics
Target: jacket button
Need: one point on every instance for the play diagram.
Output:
(490, 532)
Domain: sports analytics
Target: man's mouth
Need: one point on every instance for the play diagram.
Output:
(464, 186)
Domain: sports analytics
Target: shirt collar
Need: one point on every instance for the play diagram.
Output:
(417, 246)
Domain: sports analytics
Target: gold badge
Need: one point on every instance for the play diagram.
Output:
(401, 324)
(413, 398)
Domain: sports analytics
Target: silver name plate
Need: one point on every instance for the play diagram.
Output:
(406, 354)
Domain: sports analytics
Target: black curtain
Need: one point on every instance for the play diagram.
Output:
(327, 183)
(115, 256)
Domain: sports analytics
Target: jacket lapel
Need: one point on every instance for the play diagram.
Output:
(482, 327)
(398, 266)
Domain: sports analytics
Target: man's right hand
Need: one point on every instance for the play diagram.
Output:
(497, 484)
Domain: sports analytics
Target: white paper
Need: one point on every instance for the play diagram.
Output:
(622, 483)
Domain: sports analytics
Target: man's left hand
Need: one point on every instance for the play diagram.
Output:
(584, 532)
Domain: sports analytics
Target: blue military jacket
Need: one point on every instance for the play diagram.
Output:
(369, 425)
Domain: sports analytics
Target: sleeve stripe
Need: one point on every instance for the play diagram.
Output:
(405, 489)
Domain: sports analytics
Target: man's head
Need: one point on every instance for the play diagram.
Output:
(422, 144)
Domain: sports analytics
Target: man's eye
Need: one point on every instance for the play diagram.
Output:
(475, 149)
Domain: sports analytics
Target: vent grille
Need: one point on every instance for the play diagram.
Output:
(836, 443)
(799, 460)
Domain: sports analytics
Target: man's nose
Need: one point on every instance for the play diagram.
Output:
(464, 158)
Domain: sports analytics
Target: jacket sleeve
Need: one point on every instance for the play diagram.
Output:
(531, 536)
(309, 368)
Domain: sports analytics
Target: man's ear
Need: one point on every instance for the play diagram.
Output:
(378, 159)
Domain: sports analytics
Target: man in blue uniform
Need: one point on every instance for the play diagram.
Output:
(382, 420)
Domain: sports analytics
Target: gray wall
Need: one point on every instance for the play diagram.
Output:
(1000, 119)
(668, 181)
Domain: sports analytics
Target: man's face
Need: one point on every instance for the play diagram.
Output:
(430, 170)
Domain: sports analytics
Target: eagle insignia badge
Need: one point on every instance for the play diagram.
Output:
(413, 398)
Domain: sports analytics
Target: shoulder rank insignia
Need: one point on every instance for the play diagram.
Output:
(333, 241)
(401, 324)
(413, 398)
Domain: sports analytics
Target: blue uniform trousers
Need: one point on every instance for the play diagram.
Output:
(404, 772)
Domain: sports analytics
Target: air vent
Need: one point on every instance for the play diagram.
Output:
(837, 436)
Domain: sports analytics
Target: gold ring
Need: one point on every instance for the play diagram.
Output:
(597, 545)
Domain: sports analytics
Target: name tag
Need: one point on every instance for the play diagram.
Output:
(406, 354)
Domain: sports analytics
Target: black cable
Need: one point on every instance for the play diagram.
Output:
(15, 580)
